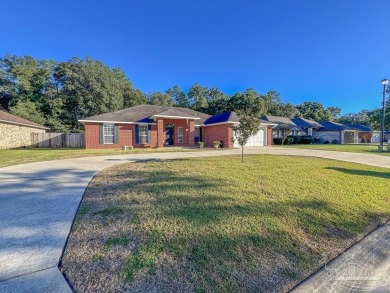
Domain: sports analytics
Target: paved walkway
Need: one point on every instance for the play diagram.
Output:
(38, 202)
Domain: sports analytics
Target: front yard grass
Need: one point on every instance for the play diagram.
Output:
(351, 148)
(219, 225)
(29, 155)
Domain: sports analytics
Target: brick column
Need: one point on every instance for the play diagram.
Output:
(190, 133)
(269, 136)
(160, 133)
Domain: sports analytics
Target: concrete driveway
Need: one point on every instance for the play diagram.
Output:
(38, 202)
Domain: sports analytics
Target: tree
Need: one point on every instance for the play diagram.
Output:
(284, 130)
(27, 110)
(88, 88)
(272, 101)
(179, 97)
(198, 97)
(249, 106)
(317, 112)
(361, 118)
(287, 110)
(217, 102)
(159, 99)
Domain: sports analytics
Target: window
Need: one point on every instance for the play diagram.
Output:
(143, 134)
(197, 134)
(108, 133)
(180, 135)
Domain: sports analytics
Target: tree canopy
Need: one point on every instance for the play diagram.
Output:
(58, 94)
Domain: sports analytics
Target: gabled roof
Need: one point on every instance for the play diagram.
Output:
(280, 120)
(305, 123)
(360, 127)
(223, 118)
(334, 126)
(12, 119)
(145, 114)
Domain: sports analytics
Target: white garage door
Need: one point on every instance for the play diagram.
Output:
(257, 140)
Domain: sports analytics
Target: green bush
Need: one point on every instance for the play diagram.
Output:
(306, 139)
(295, 139)
(277, 140)
(289, 140)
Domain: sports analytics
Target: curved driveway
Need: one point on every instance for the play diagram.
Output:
(38, 202)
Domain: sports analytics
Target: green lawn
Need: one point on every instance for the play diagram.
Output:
(219, 225)
(28, 155)
(352, 148)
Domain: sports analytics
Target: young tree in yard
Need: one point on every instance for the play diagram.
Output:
(284, 129)
(249, 107)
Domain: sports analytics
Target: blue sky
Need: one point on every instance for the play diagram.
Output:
(335, 52)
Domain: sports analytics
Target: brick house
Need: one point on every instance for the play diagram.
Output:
(336, 132)
(16, 131)
(149, 126)
(297, 126)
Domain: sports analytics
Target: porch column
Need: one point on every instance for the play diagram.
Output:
(160, 133)
(190, 133)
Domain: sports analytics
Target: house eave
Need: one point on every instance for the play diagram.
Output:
(24, 124)
(175, 117)
(116, 122)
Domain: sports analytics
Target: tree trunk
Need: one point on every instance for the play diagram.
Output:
(242, 154)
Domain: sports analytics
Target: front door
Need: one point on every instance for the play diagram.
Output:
(169, 134)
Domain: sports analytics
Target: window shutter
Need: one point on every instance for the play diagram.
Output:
(101, 133)
(136, 135)
(116, 134)
(149, 133)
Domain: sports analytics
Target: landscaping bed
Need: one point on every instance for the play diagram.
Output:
(219, 225)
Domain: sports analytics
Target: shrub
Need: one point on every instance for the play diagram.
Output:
(306, 139)
(326, 142)
(289, 140)
(335, 141)
(277, 140)
(295, 138)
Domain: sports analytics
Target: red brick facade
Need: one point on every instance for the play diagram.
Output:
(127, 132)
(269, 135)
(221, 132)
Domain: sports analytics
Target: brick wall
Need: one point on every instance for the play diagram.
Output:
(221, 132)
(188, 131)
(329, 136)
(14, 136)
(92, 136)
(269, 136)
(126, 133)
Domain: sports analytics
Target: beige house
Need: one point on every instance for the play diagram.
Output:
(16, 132)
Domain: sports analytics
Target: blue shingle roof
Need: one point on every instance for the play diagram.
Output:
(305, 123)
(360, 127)
(221, 118)
(333, 126)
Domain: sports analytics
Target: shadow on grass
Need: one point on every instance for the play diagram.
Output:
(379, 174)
(219, 240)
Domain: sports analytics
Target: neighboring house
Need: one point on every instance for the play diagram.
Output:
(157, 126)
(306, 126)
(336, 132)
(277, 120)
(365, 133)
(16, 132)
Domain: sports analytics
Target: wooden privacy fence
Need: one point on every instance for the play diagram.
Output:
(58, 140)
